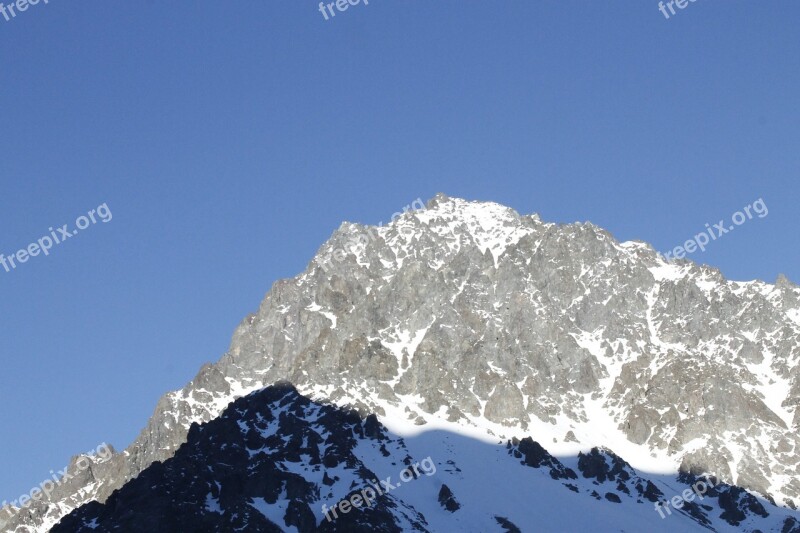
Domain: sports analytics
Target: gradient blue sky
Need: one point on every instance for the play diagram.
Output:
(230, 139)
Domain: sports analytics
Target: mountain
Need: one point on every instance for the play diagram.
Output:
(503, 335)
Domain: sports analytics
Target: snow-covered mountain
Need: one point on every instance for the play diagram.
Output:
(474, 333)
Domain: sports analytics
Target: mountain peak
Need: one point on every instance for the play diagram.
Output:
(470, 317)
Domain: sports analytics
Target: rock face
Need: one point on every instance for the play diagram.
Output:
(469, 313)
(447, 500)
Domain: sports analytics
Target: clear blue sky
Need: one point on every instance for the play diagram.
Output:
(230, 139)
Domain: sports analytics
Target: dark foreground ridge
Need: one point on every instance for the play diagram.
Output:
(274, 457)
(227, 465)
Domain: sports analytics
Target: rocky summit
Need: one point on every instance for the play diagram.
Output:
(555, 377)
